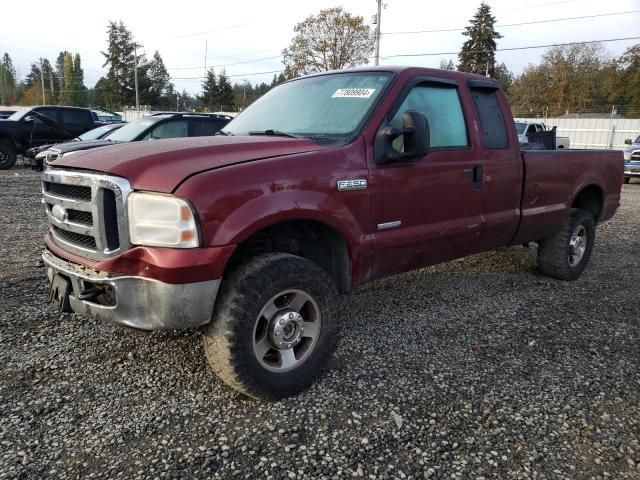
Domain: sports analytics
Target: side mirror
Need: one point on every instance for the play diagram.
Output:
(28, 118)
(416, 136)
(628, 141)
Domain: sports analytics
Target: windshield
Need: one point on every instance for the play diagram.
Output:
(326, 105)
(131, 131)
(96, 133)
(520, 126)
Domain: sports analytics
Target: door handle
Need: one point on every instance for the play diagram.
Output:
(477, 173)
(478, 176)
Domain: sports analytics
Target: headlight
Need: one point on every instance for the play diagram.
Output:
(627, 155)
(158, 220)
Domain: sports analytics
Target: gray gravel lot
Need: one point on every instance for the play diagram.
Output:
(476, 368)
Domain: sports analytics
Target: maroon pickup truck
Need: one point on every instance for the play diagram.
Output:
(325, 183)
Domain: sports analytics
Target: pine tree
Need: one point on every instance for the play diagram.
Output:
(120, 60)
(160, 86)
(69, 84)
(447, 65)
(225, 92)
(7, 80)
(478, 54)
(209, 95)
(79, 95)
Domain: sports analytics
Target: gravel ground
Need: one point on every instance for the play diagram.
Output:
(480, 368)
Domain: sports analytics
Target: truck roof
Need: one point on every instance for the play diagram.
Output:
(399, 69)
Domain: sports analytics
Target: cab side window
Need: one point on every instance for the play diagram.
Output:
(170, 129)
(440, 103)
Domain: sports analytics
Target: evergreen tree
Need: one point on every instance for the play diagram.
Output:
(79, 95)
(7, 81)
(225, 92)
(447, 65)
(33, 83)
(69, 82)
(59, 76)
(504, 76)
(160, 86)
(120, 60)
(209, 95)
(478, 53)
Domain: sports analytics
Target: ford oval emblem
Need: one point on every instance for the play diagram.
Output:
(59, 213)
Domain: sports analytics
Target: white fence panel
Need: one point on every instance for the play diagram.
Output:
(593, 132)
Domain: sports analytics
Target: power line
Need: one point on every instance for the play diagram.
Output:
(228, 64)
(513, 48)
(514, 24)
(230, 27)
(235, 75)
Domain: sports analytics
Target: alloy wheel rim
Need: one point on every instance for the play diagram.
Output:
(286, 331)
(577, 245)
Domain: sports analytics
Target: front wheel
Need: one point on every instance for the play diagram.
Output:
(275, 326)
(566, 254)
(8, 154)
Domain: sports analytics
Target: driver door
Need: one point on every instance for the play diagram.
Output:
(428, 210)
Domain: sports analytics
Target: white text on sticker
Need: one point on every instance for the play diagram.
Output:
(353, 93)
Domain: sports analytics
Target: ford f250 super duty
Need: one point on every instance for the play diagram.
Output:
(325, 183)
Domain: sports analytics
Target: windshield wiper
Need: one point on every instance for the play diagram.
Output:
(222, 132)
(273, 133)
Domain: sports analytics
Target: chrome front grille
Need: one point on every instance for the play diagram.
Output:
(87, 212)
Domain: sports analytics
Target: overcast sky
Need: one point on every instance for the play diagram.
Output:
(255, 31)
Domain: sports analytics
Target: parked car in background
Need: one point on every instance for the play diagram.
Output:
(107, 116)
(153, 127)
(631, 159)
(40, 125)
(36, 155)
(327, 182)
(524, 129)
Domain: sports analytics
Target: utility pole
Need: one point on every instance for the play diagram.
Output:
(135, 74)
(44, 101)
(205, 58)
(51, 84)
(377, 34)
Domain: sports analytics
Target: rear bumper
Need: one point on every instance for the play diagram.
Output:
(135, 301)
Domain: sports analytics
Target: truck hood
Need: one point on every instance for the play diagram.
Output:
(161, 165)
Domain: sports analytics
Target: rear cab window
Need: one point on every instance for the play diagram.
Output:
(494, 129)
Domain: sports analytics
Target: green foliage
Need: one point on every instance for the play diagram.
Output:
(120, 60)
(504, 76)
(447, 65)
(160, 93)
(217, 92)
(331, 40)
(478, 53)
(8, 90)
(579, 79)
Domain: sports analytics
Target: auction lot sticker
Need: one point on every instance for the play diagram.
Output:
(353, 93)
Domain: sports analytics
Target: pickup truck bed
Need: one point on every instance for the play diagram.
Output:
(252, 234)
(551, 186)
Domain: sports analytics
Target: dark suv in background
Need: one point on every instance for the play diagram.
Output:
(40, 125)
(154, 127)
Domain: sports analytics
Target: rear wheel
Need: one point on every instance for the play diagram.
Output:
(275, 326)
(566, 254)
(8, 154)
(627, 179)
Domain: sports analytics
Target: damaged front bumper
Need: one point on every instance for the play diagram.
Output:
(136, 302)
